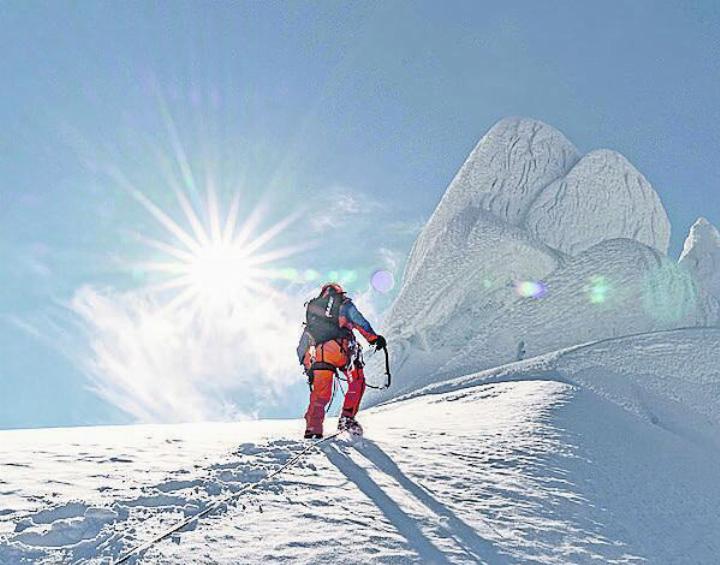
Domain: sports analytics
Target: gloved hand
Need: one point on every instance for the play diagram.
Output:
(379, 343)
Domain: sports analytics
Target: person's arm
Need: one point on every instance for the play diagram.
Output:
(303, 346)
(351, 318)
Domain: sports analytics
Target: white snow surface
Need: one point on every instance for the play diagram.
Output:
(603, 197)
(525, 211)
(701, 256)
(602, 453)
(617, 287)
(503, 175)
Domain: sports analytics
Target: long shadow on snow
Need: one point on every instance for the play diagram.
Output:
(476, 546)
(405, 524)
(462, 532)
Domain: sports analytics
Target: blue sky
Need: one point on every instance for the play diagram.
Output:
(369, 107)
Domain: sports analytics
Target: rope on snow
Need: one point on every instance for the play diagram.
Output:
(219, 503)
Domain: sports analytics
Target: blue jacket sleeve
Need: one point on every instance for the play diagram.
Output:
(303, 346)
(350, 317)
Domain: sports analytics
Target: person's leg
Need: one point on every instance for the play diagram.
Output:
(320, 395)
(356, 389)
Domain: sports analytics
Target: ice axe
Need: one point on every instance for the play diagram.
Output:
(387, 367)
(388, 375)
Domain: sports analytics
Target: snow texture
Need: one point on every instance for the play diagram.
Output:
(602, 197)
(476, 251)
(701, 256)
(602, 453)
(503, 175)
(618, 287)
(588, 234)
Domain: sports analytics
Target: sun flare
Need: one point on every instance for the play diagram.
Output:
(218, 261)
(214, 252)
(218, 269)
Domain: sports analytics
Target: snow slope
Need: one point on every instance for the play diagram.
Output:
(603, 453)
(436, 315)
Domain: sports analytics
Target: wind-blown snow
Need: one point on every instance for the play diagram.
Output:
(159, 364)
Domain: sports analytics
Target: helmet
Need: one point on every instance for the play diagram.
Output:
(331, 287)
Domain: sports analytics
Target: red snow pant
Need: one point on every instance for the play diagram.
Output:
(330, 357)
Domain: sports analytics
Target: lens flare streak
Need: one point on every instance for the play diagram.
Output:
(218, 262)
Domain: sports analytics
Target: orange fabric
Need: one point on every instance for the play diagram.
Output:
(337, 355)
(355, 391)
(329, 352)
(319, 397)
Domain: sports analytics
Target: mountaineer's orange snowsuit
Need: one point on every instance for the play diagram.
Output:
(327, 345)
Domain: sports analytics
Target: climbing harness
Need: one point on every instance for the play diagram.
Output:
(356, 358)
(220, 503)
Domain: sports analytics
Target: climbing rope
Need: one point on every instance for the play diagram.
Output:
(219, 503)
(388, 376)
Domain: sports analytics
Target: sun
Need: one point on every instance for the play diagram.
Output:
(215, 260)
(219, 269)
(207, 256)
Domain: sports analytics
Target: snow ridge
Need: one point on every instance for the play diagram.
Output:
(602, 197)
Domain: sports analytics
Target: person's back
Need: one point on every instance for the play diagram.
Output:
(328, 345)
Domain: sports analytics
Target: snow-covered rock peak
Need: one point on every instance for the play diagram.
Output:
(503, 174)
(533, 248)
(603, 197)
(701, 255)
(703, 236)
(516, 159)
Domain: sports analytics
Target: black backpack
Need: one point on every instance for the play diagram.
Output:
(322, 318)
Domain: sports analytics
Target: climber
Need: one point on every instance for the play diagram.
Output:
(328, 345)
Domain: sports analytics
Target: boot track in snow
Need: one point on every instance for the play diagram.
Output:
(220, 503)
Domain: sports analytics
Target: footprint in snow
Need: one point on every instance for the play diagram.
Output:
(175, 485)
(67, 532)
(119, 460)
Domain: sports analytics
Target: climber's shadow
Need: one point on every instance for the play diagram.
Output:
(475, 546)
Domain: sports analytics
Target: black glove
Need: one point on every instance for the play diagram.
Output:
(379, 343)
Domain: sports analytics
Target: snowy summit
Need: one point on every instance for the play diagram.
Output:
(551, 249)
